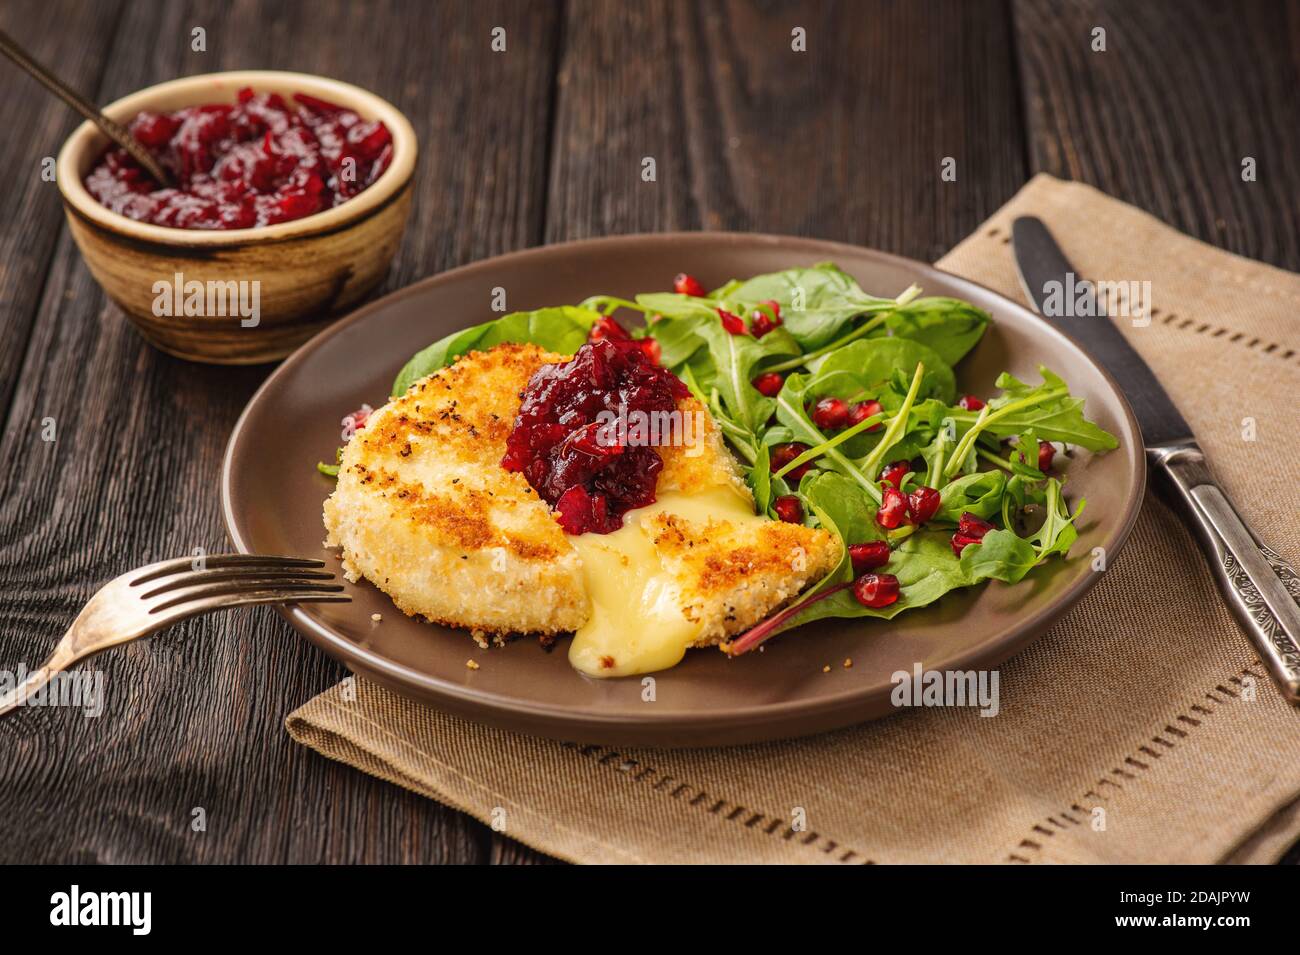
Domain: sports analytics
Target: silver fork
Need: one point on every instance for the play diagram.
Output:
(155, 596)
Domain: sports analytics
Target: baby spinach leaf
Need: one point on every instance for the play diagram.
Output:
(949, 326)
(677, 338)
(816, 302)
(873, 361)
(1001, 555)
(561, 329)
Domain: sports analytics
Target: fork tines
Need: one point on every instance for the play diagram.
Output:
(234, 579)
(220, 561)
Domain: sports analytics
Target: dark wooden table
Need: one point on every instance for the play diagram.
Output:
(541, 143)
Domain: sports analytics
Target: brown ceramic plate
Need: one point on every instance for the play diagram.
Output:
(272, 498)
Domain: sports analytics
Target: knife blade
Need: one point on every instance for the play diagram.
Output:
(1046, 275)
(1261, 588)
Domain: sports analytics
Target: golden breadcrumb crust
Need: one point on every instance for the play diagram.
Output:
(424, 510)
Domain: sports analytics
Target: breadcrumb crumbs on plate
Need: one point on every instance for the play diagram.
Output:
(376, 617)
(848, 663)
(826, 668)
(472, 664)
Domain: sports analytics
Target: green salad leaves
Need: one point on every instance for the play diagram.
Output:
(813, 335)
(562, 329)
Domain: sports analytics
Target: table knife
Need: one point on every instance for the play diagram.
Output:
(1261, 588)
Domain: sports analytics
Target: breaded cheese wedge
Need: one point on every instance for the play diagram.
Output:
(424, 510)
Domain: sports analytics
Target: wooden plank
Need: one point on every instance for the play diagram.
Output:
(843, 141)
(1165, 116)
(194, 716)
(35, 126)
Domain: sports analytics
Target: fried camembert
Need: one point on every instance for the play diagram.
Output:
(427, 511)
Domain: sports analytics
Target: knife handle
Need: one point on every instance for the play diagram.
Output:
(1262, 589)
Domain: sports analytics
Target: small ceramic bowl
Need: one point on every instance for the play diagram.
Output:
(308, 271)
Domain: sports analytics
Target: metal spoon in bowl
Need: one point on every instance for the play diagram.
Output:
(113, 130)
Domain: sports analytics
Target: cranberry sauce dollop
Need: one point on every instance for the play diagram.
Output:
(254, 163)
(571, 456)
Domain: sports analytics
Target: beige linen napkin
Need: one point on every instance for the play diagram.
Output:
(1141, 728)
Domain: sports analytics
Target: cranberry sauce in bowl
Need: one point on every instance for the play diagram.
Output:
(564, 445)
(256, 162)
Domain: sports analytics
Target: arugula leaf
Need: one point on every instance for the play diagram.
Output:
(1005, 556)
(1058, 532)
(873, 462)
(734, 358)
(1049, 409)
(561, 329)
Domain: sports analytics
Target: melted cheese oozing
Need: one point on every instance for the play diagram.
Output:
(637, 624)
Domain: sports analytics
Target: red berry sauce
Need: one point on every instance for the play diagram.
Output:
(257, 162)
(556, 442)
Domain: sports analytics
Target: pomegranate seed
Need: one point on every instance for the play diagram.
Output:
(606, 327)
(359, 417)
(769, 384)
(650, 348)
(893, 509)
(830, 414)
(783, 454)
(788, 508)
(763, 320)
(732, 323)
(868, 556)
(863, 411)
(922, 504)
(895, 473)
(876, 590)
(1046, 451)
(688, 285)
(973, 526)
(970, 403)
(970, 530)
